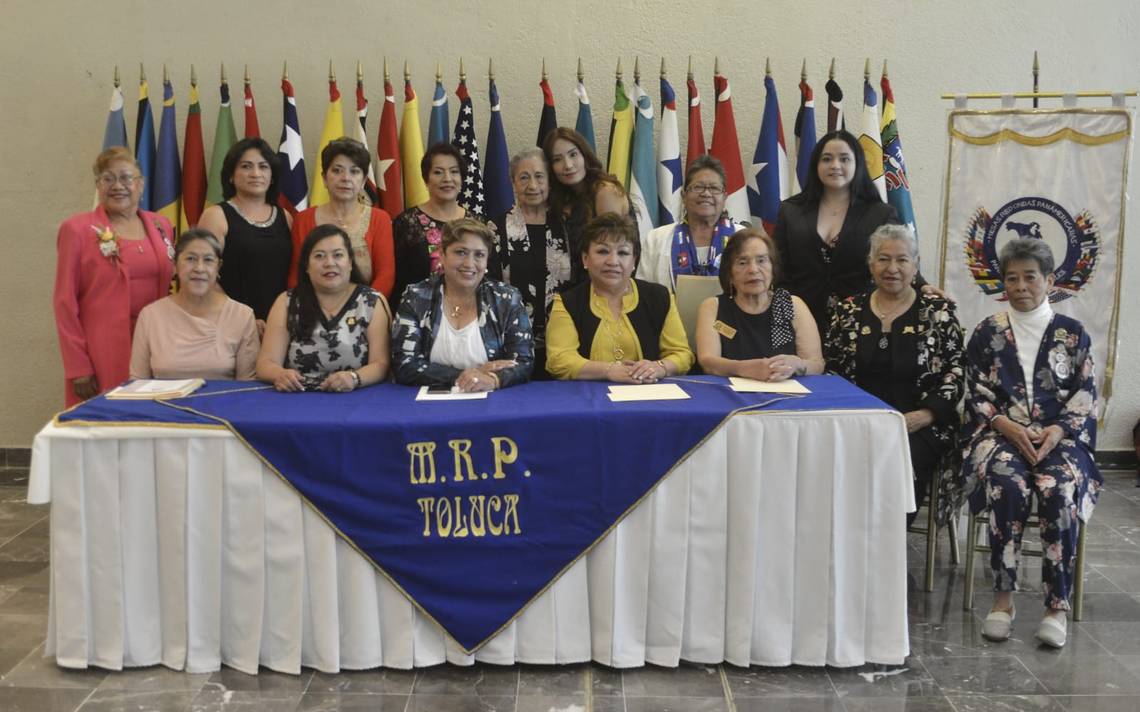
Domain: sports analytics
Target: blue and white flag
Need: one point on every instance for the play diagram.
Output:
(669, 177)
(805, 135)
(585, 123)
(145, 150)
(115, 133)
(500, 193)
(472, 195)
(768, 176)
(643, 164)
(439, 119)
(294, 195)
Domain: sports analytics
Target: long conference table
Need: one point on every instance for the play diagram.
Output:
(235, 527)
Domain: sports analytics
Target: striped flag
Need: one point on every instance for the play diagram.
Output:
(871, 140)
(585, 123)
(167, 196)
(252, 129)
(643, 164)
(225, 136)
(726, 147)
(439, 120)
(768, 177)
(696, 142)
(621, 135)
(389, 180)
(805, 134)
(547, 120)
(412, 149)
(360, 133)
(894, 167)
(115, 132)
(333, 129)
(294, 195)
(193, 163)
(669, 178)
(471, 197)
(835, 120)
(500, 195)
(144, 144)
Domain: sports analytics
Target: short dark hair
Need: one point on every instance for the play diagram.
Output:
(304, 310)
(733, 248)
(1026, 248)
(442, 149)
(194, 234)
(350, 148)
(454, 231)
(862, 187)
(705, 162)
(229, 167)
(611, 226)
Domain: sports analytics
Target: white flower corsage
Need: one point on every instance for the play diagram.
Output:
(108, 243)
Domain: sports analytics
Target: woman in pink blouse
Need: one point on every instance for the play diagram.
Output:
(113, 261)
(197, 332)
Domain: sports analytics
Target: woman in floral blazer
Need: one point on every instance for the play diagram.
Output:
(1032, 427)
(905, 347)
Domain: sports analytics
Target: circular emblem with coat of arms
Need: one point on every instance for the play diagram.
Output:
(1074, 241)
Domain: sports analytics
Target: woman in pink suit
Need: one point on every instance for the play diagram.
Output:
(113, 261)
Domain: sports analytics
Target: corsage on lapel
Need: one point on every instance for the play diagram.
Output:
(108, 242)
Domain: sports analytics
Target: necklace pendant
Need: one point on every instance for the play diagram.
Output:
(883, 343)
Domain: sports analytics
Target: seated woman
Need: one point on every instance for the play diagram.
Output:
(754, 330)
(458, 328)
(197, 332)
(614, 327)
(325, 334)
(1031, 407)
(905, 347)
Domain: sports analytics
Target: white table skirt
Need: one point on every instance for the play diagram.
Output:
(779, 541)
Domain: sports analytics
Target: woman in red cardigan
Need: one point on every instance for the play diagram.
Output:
(344, 165)
(113, 261)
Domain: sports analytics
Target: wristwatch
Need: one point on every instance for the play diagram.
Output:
(355, 379)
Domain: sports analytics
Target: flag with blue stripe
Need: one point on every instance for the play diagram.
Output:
(585, 123)
(500, 195)
(439, 119)
(294, 195)
(167, 196)
(768, 176)
(144, 144)
(805, 133)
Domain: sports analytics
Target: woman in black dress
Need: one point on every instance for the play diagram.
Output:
(754, 330)
(254, 232)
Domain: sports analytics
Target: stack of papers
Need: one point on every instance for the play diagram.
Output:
(650, 391)
(747, 385)
(155, 389)
(426, 394)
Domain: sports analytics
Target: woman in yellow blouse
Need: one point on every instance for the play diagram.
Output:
(614, 327)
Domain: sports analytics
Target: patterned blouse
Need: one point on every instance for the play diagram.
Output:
(416, 238)
(337, 344)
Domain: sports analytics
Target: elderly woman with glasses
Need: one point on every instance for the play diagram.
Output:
(113, 261)
(1031, 411)
(694, 245)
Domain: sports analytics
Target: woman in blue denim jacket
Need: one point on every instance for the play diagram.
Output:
(459, 329)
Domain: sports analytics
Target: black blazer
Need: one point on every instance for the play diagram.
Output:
(806, 274)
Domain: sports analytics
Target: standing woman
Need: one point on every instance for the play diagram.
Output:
(823, 233)
(531, 251)
(257, 248)
(344, 164)
(113, 261)
(694, 245)
(418, 231)
(581, 189)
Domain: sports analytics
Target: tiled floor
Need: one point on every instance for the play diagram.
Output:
(952, 667)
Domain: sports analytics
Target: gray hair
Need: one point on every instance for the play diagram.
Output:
(526, 153)
(1026, 248)
(707, 162)
(889, 232)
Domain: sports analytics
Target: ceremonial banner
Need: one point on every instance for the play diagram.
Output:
(1054, 175)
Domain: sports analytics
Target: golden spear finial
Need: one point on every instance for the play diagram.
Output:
(246, 75)
(716, 66)
(438, 72)
(116, 76)
(767, 66)
(387, 76)
(1036, 64)
(462, 71)
(332, 75)
(165, 74)
(867, 70)
(831, 71)
(224, 73)
(885, 75)
(544, 69)
(662, 67)
(142, 73)
(193, 76)
(690, 66)
(285, 71)
(637, 70)
(359, 71)
(407, 72)
(581, 76)
(803, 71)
(491, 68)
(617, 73)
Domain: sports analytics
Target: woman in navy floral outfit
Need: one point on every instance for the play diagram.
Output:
(1032, 397)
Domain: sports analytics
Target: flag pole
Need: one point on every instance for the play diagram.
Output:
(491, 68)
(690, 66)
(462, 71)
(1036, 77)
(387, 76)
(407, 72)
(885, 75)
(716, 66)
(544, 69)
(581, 76)
(767, 67)
(116, 76)
(332, 76)
(831, 70)
(438, 72)
(285, 71)
(803, 71)
(359, 71)
(867, 70)
(193, 77)
(246, 80)
(142, 73)
(617, 74)
(224, 73)
(637, 70)
(662, 67)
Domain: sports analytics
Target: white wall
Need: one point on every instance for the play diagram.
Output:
(55, 81)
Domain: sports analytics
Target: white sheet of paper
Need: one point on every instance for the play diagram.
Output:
(423, 395)
(747, 385)
(649, 391)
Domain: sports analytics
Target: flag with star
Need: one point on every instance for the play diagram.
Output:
(870, 138)
(621, 135)
(547, 120)
(167, 197)
(835, 120)
(726, 147)
(894, 167)
(225, 136)
(294, 193)
(360, 133)
(768, 177)
(439, 119)
(696, 142)
(585, 122)
(669, 178)
(805, 134)
(412, 149)
(333, 129)
(389, 180)
(643, 164)
(471, 197)
(193, 162)
(252, 128)
(144, 143)
(500, 195)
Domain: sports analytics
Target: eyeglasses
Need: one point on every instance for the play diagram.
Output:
(109, 179)
(698, 188)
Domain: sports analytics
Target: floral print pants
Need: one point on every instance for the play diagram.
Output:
(1010, 485)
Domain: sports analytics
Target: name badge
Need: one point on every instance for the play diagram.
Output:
(908, 329)
(724, 329)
